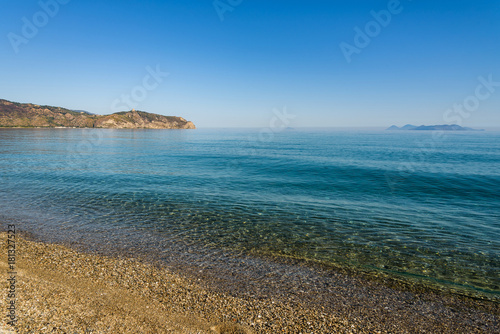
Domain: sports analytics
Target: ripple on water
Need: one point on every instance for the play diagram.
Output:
(335, 198)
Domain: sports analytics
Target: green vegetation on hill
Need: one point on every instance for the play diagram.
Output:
(13, 114)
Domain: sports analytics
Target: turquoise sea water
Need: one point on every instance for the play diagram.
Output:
(420, 205)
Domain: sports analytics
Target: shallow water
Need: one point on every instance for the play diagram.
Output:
(422, 205)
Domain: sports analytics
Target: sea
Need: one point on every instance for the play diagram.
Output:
(413, 205)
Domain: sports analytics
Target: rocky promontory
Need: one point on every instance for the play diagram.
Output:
(13, 114)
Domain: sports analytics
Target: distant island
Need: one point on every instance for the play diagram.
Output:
(27, 115)
(444, 127)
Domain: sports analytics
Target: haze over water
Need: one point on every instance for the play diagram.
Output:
(405, 203)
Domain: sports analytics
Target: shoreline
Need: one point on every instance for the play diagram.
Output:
(73, 291)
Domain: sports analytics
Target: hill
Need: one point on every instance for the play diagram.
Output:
(444, 127)
(13, 114)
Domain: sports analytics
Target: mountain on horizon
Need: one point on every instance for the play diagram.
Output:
(85, 112)
(408, 127)
(13, 114)
(444, 127)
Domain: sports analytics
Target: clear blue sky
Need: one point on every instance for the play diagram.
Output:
(262, 55)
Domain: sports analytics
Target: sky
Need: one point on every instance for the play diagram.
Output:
(240, 63)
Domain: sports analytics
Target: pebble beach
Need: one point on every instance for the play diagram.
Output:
(62, 290)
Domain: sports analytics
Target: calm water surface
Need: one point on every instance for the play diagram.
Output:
(412, 204)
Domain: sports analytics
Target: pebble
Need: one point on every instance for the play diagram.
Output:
(61, 290)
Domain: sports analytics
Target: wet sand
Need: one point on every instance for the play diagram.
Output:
(61, 290)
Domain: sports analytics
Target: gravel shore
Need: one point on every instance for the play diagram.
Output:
(60, 290)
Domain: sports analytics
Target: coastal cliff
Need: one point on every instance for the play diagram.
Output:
(14, 114)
